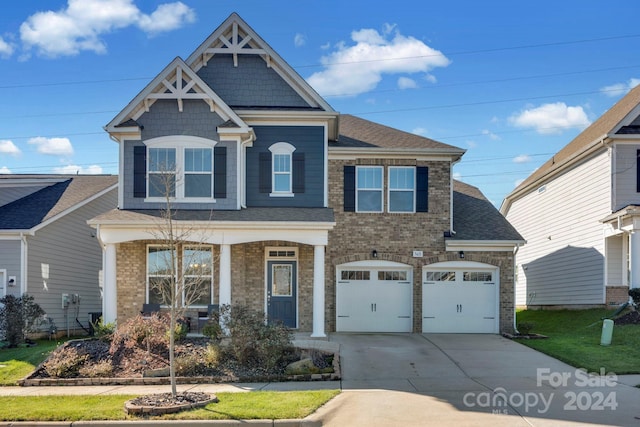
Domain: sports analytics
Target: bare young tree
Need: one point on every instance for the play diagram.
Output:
(180, 266)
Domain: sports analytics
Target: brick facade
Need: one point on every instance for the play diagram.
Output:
(617, 295)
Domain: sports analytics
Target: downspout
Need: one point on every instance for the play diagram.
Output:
(243, 170)
(515, 252)
(23, 264)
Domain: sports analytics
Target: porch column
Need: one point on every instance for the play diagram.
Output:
(109, 285)
(318, 292)
(224, 297)
(634, 257)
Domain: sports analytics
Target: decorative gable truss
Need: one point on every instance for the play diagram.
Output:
(235, 37)
(178, 81)
(235, 42)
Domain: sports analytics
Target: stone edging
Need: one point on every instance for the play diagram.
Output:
(161, 410)
(36, 382)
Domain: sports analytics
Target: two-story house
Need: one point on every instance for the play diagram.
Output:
(323, 221)
(47, 250)
(579, 215)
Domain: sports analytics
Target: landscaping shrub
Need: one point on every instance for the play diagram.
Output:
(19, 317)
(188, 365)
(65, 362)
(635, 295)
(149, 333)
(252, 340)
(212, 355)
(101, 369)
(212, 329)
(525, 328)
(102, 330)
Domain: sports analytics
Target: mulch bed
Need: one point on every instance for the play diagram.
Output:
(631, 318)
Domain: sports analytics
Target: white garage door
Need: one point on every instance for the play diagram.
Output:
(374, 297)
(460, 297)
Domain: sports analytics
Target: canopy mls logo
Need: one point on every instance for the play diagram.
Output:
(593, 393)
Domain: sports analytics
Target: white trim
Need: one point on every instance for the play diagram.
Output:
(381, 189)
(199, 246)
(373, 264)
(389, 190)
(180, 144)
(24, 260)
(267, 260)
(4, 282)
(281, 149)
(325, 168)
(483, 245)
(259, 46)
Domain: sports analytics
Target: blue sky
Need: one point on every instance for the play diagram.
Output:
(510, 82)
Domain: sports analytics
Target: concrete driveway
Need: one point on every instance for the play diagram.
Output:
(475, 380)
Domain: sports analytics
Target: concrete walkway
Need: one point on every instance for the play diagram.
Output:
(435, 380)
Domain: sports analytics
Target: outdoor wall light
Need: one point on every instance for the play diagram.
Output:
(374, 254)
(461, 254)
(12, 281)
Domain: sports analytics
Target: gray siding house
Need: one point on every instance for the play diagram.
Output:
(47, 250)
(323, 221)
(578, 213)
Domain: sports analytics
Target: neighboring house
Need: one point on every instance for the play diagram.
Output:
(323, 221)
(578, 213)
(47, 250)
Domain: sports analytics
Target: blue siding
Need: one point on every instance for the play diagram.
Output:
(10, 261)
(309, 140)
(250, 84)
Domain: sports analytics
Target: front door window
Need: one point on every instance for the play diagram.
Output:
(282, 280)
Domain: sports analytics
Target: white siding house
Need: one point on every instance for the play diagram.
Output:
(577, 251)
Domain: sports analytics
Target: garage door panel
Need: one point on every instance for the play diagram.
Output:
(459, 300)
(379, 304)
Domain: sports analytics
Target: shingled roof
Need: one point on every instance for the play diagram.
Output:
(355, 132)
(38, 207)
(581, 143)
(475, 217)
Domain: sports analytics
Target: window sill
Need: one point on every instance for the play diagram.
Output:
(182, 200)
(281, 194)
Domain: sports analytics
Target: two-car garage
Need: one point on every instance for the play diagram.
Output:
(377, 296)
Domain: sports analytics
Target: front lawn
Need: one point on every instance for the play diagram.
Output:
(574, 338)
(269, 405)
(17, 363)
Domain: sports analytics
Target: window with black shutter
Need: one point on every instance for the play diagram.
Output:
(140, 171)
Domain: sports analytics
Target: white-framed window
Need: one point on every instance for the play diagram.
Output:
(162, 172)
(281, 169)
(369, 188)
(159, 277)
(197, 265)
(181, 166)
(402, 186)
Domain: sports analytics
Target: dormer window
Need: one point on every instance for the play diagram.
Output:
(281, 169)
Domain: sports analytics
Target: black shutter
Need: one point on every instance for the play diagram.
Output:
(140, 171)
(264, 173)
(349, 188)
(298, 173)
(422, 189)
(638, 171)
(220, 172)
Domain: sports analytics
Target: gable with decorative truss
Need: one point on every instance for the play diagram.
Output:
(176, 82)
(233, 51)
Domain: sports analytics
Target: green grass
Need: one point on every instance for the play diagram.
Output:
(17, 363)
(241, 406)
(574, 338)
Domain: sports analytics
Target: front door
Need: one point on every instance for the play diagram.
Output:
(282, 292)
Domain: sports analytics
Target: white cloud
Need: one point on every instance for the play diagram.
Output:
(491, 135)
(471, 143)
(52, 146)
(6, 48)
(430, 78)
(551, 118)
(326, 46)
(5, 170)
(522, 158)
(167, 17)
(8, 147)
(78, 170)
(518, 182)
(619, 89)
(80, 25)
(407, 83)
(299, 40)
(358, 68)
(419, 131)
(457, 175)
